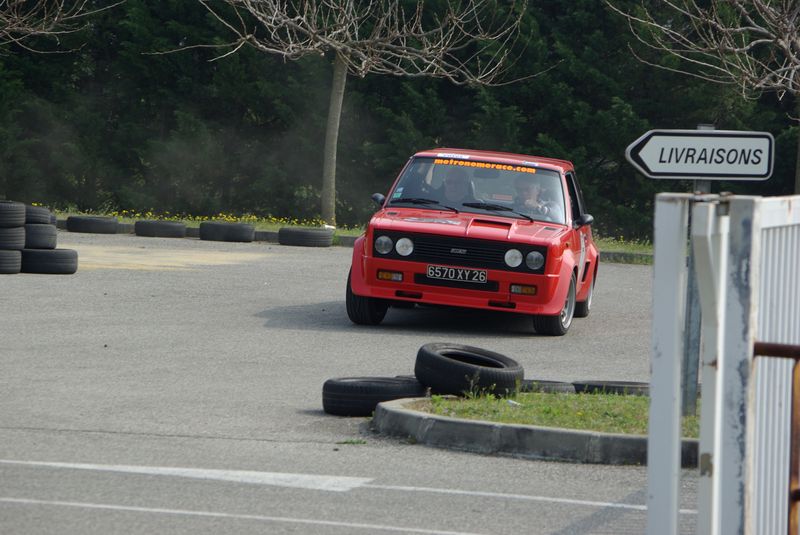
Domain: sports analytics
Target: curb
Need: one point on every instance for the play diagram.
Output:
(399, 418)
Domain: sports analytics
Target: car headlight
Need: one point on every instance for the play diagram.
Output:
(513, 258)
(534, 260)
(404, 247)
(383, 244)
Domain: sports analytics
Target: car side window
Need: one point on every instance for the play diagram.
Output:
(575, 198)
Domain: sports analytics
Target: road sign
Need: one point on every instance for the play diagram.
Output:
(703, 154)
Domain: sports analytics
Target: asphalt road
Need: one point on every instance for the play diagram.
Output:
(209, 357)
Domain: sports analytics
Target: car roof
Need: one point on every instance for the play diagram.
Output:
(498, 157)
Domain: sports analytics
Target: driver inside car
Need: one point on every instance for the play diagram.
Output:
(530, 199)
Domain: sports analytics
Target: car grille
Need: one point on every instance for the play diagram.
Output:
(466, 252)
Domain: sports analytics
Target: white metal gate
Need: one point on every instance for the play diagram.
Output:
(747, 253)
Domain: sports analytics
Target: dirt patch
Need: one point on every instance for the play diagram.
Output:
(134, 258)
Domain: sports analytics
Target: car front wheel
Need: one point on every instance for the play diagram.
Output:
(364, 310)
(558, 325)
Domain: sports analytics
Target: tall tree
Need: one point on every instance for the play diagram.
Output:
(754, 44)
(465, 42)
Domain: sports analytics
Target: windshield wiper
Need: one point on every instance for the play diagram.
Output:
(497, 208)
(420, 200)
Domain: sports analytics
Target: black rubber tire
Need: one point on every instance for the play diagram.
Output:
(364, 310)
(630, 388)
(458, 369)
(582, 308)
(12, 214)
(36, 215)
(358, 396)
(53, 220)
(50, 261)
(160, 229)
(225, 231)
(40, 236)
(12, 238)
(10, 262)
(305, 237)
(92, 224)
(546, 387)
(559, 324)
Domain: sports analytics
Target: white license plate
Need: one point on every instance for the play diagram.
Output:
(457, 274)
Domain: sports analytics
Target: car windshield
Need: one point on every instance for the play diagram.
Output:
(481, 187)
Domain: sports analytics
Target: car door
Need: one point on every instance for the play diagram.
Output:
(580, 236)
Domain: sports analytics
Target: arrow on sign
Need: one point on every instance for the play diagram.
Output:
(703, 154)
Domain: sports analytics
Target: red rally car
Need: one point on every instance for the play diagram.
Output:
(478, 229)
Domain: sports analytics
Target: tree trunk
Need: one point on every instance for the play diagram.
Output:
(331, 141)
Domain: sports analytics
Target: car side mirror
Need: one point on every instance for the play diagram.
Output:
(583, 220)
(379, 199)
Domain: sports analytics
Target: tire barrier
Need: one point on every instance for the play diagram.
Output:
(92, 224)
(358, 396)
(305, 237)
(546, 387)
(160, 229)
(458, 369)
(31, 227)
(629, 388)
(224, 231)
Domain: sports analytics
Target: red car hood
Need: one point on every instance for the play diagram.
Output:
(467, 225)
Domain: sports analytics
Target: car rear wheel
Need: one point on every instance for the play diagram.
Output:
(364, 310)
(582, 308)
(558, 325)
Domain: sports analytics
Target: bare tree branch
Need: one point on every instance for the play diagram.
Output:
(21, 20)
(754, 44)
(466, 44)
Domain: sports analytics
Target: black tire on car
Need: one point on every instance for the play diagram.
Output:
(546, 387)
(364, 310)
(305, 237)
(458, 369)
(50, 261)
(12, 238)
(12, 214)
(10, 262)
(582, 308)
(160, 229)
(226, 231)
(92, 224)
(358, 396)
(630, 388)
(40, 236)
(558, 325)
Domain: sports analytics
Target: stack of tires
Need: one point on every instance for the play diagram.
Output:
(12, 236)
(305, 237)
(227, 231)
(28, 242)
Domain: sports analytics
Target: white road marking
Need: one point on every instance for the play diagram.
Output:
(525, 497)
(300, 481)
(212, 514)
(317, 482)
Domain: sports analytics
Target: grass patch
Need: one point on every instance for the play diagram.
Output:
(624, 246)
(607, 413)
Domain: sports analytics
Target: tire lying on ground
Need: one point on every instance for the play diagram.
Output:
(160, 229)
(12, 238)
(358, 396)
(457, 369)
(305, 237)
(546, 387)
(50, 261)
(92, 224)
(630, 388)
(12, 214)
(40, 236)
(224, 231)
(10, 262)
(37, 215)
